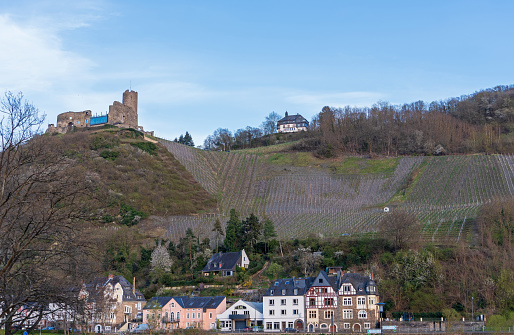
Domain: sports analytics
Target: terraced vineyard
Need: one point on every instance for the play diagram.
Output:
(444, 192)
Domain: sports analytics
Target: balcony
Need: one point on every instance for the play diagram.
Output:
(170, 320)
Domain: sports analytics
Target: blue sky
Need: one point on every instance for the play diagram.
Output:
(201, 65)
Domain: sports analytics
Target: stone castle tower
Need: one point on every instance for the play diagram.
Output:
(125, 113)
(130, 99)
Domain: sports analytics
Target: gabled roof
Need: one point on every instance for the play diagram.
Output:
(128, 295)
(222, 261)
(157, 302)
(258, 306)
(289, 285)
(359, 282)
(325, 280)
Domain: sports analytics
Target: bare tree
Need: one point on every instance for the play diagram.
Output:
(400, 227)
(269, 126)
(308, 260)
(40, 193)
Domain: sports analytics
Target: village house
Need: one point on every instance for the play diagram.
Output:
(226, 263)
(114, 304)
(168, 313)
(241, 316)
(344, 302)
(292, 124)
(357, 298)
(284, 304)
(321, 303)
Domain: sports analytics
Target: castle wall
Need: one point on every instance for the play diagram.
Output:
(76, 119)
(120, 114)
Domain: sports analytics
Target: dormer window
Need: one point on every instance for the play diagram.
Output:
(295, 291)
(283, 292)
(271, 292)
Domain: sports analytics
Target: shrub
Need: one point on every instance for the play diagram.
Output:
(130, 216)
(100, 142)
(148, 147)
(109, 155)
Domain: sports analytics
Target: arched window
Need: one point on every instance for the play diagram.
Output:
(172, 315)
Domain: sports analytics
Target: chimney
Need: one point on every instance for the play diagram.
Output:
(372, 276)
(286, 113)
(134, 286)
(111, 276)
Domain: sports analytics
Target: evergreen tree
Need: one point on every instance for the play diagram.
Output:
(189, 245)
(181, 139)
(268, 233)
(188, 140)
(250, 232)
(232, 231)
(218, 230)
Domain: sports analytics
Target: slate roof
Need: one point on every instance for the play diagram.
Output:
(157, 302)
(228, 261)
(258, 306)
(288, 119)
(199, 302)
(358, 281)
(289, 285)
(328, 280)
(102, 282)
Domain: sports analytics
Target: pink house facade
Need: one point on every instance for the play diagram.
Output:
(181, 312)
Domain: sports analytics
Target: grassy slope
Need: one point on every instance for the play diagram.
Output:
(152, 181)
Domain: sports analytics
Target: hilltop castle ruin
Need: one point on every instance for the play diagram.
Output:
(122, 115)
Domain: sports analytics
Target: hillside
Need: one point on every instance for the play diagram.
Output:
(303, 194)
(133, 177)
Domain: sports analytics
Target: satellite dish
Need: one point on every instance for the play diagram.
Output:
(386, 209)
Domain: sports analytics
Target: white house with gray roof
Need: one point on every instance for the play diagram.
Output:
(284, 304)
(226, 263)
(240, 315)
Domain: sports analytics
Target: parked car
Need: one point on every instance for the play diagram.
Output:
(291, 330)
(247, 329)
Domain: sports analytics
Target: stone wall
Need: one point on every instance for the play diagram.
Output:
(76, 119)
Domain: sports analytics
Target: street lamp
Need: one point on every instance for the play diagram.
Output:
(472, 313)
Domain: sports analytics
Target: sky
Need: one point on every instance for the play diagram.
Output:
(202, 65)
